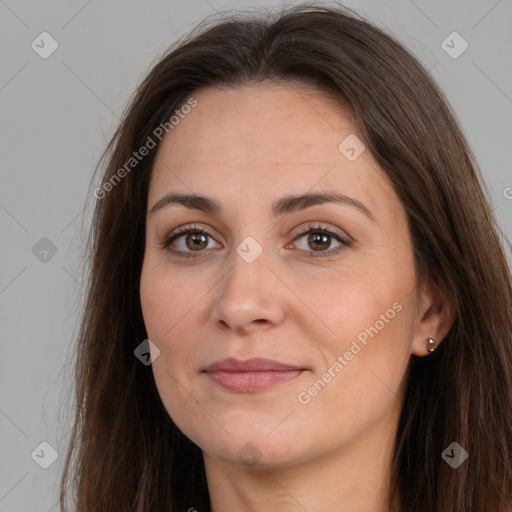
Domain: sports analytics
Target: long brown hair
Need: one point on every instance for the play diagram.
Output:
(125, 453)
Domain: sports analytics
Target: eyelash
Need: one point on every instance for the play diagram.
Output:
(185, 230)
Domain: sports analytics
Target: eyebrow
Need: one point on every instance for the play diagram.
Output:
(283, 206)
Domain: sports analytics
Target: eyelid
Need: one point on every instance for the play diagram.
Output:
(183, 230)
(321, 226)
(344, 240)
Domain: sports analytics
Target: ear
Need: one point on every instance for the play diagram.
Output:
(434, 318)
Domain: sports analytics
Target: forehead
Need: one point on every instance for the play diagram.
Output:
(262, 137)
(266, 119)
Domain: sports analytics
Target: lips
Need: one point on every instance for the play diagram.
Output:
(256, 364)
(251, 375)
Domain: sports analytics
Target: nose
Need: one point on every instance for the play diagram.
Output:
(250, 295)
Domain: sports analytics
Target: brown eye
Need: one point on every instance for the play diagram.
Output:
(187, 241)
(196, 241)
(320, 240)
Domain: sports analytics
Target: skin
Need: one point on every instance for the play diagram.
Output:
(247, 147)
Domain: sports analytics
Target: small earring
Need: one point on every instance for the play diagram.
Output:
(430, 342)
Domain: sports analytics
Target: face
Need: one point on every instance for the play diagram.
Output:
(325, 289)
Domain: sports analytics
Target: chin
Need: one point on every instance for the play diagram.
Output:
(249, 448)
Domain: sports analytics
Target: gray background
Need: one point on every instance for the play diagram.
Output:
(57, 115)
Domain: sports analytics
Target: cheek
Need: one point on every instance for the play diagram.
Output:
(360, 299)
(361, 381)
(370, 318)
(171, 308)
(164, 308)
(165, 302)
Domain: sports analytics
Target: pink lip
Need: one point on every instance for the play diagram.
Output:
(252, 375)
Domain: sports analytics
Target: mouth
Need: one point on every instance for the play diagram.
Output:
(251, 375)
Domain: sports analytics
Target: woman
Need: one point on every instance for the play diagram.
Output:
(298, 297)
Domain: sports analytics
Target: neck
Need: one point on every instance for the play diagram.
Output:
(353, 478)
